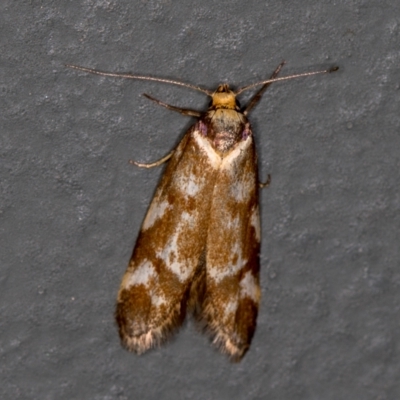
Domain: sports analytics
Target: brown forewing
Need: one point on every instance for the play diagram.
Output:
(232, 253)
(154, 290)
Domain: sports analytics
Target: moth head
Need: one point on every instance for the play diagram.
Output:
(223, 97)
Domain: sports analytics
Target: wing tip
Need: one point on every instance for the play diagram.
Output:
(139, 336)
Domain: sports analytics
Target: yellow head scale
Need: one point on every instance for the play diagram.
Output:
(223, 97)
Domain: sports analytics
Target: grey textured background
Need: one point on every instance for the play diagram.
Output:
(71, 205)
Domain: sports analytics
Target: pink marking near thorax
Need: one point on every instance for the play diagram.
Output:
(246, 132)
(202, 127)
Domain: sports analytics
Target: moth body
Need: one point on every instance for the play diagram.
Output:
(199, 243)
(198, 248)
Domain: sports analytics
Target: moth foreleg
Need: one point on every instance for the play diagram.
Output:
(154, 164)
(184, 111)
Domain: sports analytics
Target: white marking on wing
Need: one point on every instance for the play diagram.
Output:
(205, 146)
(186, 216)
(241, 190)
(157, 300)
(155, 212)
(170, 255)
(249, 287)
(144, 275)
(238, 152)
(230, 308)
(232, 224)
(140, 276)
(255, 222)
(191, 184)
(219, 272)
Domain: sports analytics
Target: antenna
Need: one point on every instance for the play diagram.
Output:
(285, 78)
(142, 77)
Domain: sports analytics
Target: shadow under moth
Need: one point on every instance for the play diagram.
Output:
(198, 248)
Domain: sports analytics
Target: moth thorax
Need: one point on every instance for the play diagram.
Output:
(223, 97)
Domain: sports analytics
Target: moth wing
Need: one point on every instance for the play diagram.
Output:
(155, 288)
(232, 296)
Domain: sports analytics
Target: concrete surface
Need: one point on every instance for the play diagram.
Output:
(71, 205)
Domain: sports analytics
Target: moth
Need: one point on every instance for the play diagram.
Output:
(198, 248)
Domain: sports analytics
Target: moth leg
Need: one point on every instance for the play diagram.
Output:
(184, 111)
(256, 98)
(154, 164)
(266, 183)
